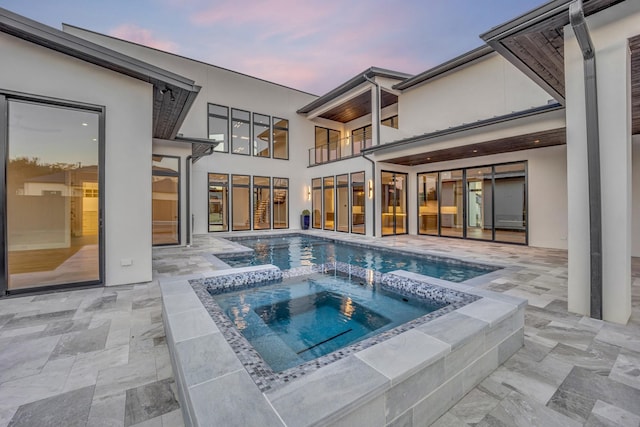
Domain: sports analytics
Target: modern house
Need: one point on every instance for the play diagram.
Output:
(495, 145)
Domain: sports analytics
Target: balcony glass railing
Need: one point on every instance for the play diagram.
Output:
(339, 149)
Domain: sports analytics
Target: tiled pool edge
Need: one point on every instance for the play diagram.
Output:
(437, 364)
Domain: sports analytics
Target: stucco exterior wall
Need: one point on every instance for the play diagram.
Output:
(128, 125)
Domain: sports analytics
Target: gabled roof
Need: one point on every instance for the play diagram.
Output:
(350, 84)
(169, 107)
(445, 67)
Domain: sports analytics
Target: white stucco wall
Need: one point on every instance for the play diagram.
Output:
(485, 88)
(128, 120)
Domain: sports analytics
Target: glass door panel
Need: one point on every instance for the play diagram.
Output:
(342, 194)
(394, 203)
(479, 205)
(357, 203)
(428, 203)
(451, 204)
(218, 202)
(510, 203)
(329, 211)
(53, 196)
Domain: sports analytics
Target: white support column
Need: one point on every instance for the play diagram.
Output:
(614, 99)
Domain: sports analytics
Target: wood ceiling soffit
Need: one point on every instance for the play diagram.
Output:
(357, 107)
(634, 47)
(504, 145)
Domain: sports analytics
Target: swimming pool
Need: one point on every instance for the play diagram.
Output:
(293, 251)
(303, 318)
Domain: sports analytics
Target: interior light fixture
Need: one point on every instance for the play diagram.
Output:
(370, 189)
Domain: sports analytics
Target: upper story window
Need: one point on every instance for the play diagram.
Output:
(327, 145)
(392, 122)
(280, 138)
(261, 135)
(362, 138)
(219, 126)
(240, 131)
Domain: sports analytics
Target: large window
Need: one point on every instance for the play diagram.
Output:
(391, 122)
(52, 185)
(280, 203)
(261, 202)
(327, 145)
(165, 201)
(361, 138)
(219, 126)
(316, 203)
(280, 138)
(484, 203)
(241, 202)
(218, 202)
(394, 203)
(358, 200)
(240, 131)
(342, 203)
(428, 203)
(261, 135)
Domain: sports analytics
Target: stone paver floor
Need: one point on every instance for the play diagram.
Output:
(98, 357)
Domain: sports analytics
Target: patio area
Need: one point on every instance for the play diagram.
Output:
(98, 357)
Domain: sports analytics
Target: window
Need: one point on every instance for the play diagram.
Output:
(342, 203)
(316, 204)
(240, 203)
(280, 139)
(484, 203)
(280, 203)
(261, 135)
(361, 138)
(327, 145)
(240, 130)
(394, 203)
(329, 211)
(392, 122)
(261, 203)
(219, 127)
(218, 202)
(357, 203)
(52, 193)
(165, 206)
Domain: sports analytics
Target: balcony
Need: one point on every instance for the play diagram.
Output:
(339, 149)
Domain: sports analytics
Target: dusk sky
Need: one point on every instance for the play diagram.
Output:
(308, 45)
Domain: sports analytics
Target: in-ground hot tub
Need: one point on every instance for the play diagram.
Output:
(412, 373)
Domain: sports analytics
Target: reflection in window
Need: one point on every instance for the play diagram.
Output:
(52, 195)
(451, 203)
(329, 210)
(218, 202)
(342, 202)
(240, 130)
(241, 202)
(165, 204)
(280, 138)
(261, 202)
(219, 127)
(357, 203)
(510, 203)
(428, 203)
(261, 133)
(316, 204)
(280, 203)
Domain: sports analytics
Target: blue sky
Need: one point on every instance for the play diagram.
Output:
(309, 45)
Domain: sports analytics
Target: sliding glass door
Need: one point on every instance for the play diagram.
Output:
(53, 193)
(394, 203)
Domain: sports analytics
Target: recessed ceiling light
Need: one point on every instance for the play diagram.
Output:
(475, 151)
(428, 158)
(536, 141)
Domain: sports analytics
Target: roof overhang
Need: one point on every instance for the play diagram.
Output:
(534, 42)
(427, 148)
(350, 85)
(173, 94)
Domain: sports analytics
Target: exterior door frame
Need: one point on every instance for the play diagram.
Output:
(5, 97)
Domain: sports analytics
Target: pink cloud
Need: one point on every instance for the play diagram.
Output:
(143, 36)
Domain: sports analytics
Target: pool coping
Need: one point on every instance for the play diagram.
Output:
(435, 365)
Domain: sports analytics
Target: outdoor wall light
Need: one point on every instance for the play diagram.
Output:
(309, 193)
(168, 89)
(370, 189)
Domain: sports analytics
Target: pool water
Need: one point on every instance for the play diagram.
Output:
(296, 251)
(303, 318)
